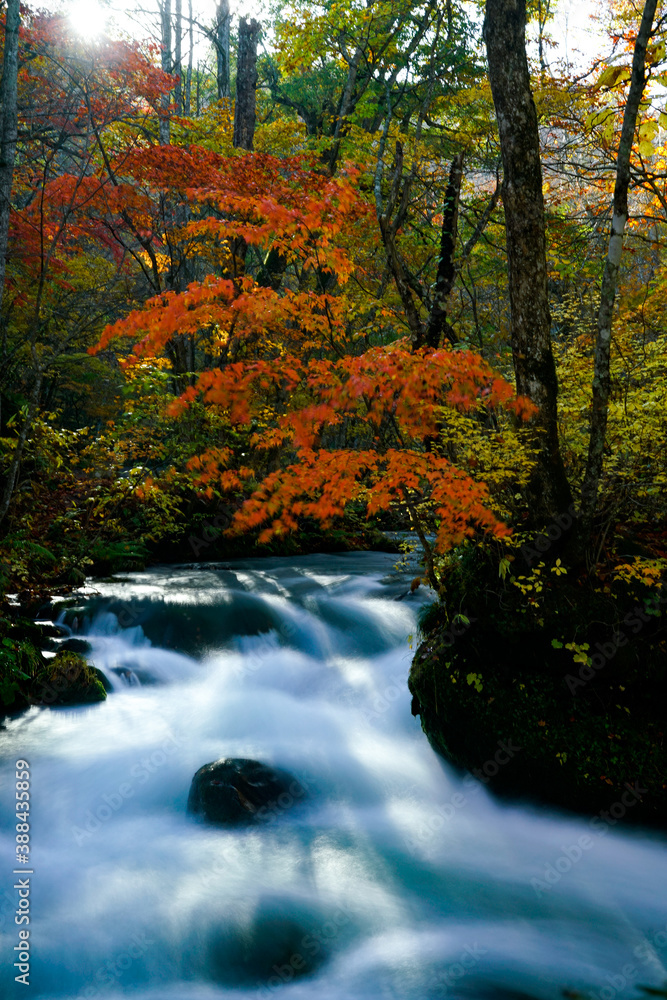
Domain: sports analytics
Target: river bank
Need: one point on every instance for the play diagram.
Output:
(572, 672)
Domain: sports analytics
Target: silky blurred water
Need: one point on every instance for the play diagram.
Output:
(396, 878)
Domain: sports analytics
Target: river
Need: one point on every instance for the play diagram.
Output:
(394, 878)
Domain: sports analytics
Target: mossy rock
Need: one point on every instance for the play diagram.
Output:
(68, 679)
(583, 735)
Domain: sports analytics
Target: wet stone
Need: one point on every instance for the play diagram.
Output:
(238, 791)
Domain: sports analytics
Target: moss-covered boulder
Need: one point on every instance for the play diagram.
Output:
(555, 695)
(68, 679)
(28, 678)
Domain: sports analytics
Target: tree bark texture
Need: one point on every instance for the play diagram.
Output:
(166, 65)
(178, 55)
(601, 375)
(9, 125)
(346, 102)
(222, 50)
(438, 324)
(187, 102)
(246, 84)
(530, 319)
(389, 224)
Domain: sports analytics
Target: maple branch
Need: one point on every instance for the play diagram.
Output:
(146, 244)
(424, 542)
(388, 232)
(379, 169)
(344, 107)
(483, 222)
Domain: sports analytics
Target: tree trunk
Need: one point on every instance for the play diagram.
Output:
(438, 324)
(601, 376)
(389, 225)
(346, 102)
(188, 79)
(244, 124)
(178, 55)
(8, 97)
(165, 59)
(246, 84)
(530, 319)
(403, 284)
(222, 50)
(273, 269)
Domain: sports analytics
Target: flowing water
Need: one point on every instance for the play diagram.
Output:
(395, 877)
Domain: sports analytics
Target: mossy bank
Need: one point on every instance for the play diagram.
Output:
(572, 677)
(28, 678)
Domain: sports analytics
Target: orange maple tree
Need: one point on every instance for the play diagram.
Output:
(337, 422)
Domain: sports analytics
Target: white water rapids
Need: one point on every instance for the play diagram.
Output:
(395, 879)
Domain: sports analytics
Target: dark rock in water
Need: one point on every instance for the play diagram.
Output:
(74, 645)
(51, 629)
(239, 791)
(132, 677)
(281, 942)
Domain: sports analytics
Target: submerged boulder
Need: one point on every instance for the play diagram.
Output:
(281, 941)
(237, 791)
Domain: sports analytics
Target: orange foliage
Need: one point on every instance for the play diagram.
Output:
(289, 373)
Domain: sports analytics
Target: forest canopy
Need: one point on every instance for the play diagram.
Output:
(365, 264)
